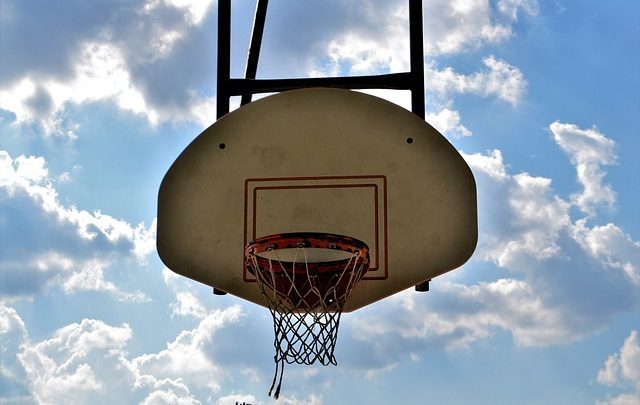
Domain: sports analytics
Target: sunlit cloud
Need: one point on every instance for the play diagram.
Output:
(589, 151)
(499, 79)
(448, 123)
(622, 369)
(89, 358)
(120, 59)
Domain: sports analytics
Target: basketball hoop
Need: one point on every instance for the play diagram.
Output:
(305, 278)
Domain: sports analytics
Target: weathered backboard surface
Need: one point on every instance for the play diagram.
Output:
(319, 160)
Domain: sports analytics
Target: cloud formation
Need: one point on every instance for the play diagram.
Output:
(123, 52)
(45, 243)
(555, 260)
(499, 79)
(87, 359)
(374, 37)
(127, 53)
(448, 123)
(589, 151)
(454, 26)
(622, 369)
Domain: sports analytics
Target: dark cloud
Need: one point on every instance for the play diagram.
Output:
(44, 242)
(588, 292)
(23, 279)
(41, 37)
(43, 40)
(29, 230)
(32, 239)
(40, 102)
(171, 81)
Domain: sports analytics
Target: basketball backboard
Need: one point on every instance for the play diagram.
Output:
(319, 160)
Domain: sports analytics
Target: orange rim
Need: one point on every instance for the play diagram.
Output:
(316, 240)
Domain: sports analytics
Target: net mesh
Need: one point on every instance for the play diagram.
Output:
(306, 300)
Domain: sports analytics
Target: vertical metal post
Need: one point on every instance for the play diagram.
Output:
(224, 57)
(417, 57)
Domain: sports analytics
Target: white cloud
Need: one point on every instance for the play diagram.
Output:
(46, 243)
(121, 58)
(82, 361)
(629, 359)
(623, 369)
(188, 304)
(500, 79)
(589, 150)
(448, 123)
(611, 246)
(524, 223)
(197, 9)
(459, 315)
(187, 300)
(70, 367)
(169, 391)
(187, 357)
(29, 175)
(491, 164)
(453, 26)
(538, 218)
(238, 399)
(145, 240)
(358, 51)
(132, 65)
(101, 73)
(13, 334)
(530, 216)
(379, 43)
(89, 276)
(373, 37)
(510, 8)
(623, 366)
(555, 261)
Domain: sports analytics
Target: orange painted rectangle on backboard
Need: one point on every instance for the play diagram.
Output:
(354, 206)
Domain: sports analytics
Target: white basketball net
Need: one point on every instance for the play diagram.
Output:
(306, 306)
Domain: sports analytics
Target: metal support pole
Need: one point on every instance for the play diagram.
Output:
(254, 47)
(224, 57)
(417, 57)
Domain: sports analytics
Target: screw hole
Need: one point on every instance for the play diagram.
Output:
(409, 140)
(222, 146)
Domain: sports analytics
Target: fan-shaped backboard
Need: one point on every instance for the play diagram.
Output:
(319, 160)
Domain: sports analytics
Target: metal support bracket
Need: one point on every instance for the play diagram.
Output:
(249, 85)
(423, 286)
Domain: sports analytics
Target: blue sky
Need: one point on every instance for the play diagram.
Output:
(542, 98)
